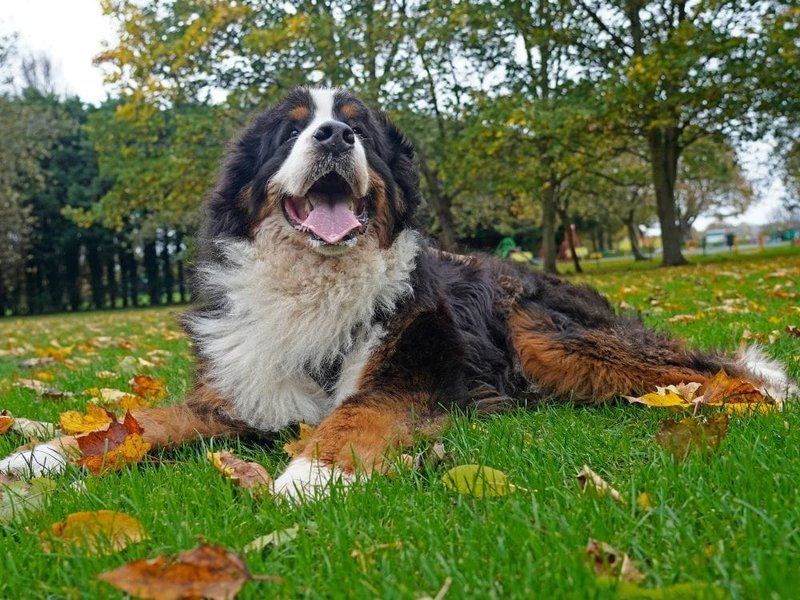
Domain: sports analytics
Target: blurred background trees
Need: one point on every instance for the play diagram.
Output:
(531, 119)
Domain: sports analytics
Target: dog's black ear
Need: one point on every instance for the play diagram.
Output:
(402, 162)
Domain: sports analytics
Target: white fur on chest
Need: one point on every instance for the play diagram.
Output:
(288, 312)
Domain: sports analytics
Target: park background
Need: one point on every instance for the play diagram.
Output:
(625, 122)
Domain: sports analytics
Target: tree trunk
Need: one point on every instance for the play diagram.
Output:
(151, 272)
(166, 269)
(111, 280)
(633, 235)
(95, 273)
(72, 273)
(549, 228)
(568, 231)
(664, 153)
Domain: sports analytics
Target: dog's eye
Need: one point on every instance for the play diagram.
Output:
(357, 130)
(294, 132)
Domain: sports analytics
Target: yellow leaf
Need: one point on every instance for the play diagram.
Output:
(296, 446)
(655, 399)
(148, 387)
(96, 532)
(249, 475)
(643, 501)
(478, 481)
(74, 422)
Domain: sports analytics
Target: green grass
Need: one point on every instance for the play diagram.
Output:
(731, 519)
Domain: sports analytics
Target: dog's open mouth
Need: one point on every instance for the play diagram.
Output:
(330, 212)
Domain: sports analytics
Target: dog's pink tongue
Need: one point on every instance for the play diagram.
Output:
(331, 221)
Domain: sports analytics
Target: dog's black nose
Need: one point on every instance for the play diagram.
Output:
(335, 136)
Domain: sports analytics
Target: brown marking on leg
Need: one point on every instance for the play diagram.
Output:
(365, 433)
(202, 414)
(594, 365)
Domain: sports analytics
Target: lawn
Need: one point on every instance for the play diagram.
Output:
(730, 519)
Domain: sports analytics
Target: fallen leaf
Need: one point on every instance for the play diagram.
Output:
(249, 475)
(275, 538)
(40, 430)
(41, 388)
(793, 330)
(18, 497)
(207, 571)
(105, 374)
(727, 391)
(148, 387)
(296, 446)
(109, 450)
(74, 422)
(608, 562)
(94, 532)
(643, 501)
(588, 479)
(6, 421)
(682, 319)
(478, 481)
(702, 434)
(657, 399)
(39, 361)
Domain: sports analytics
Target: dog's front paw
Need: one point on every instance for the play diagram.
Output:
(306, 479)
(43, 459)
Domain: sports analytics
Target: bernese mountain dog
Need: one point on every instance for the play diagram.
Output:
(318, 301)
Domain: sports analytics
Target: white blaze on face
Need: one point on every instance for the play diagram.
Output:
(297, 173)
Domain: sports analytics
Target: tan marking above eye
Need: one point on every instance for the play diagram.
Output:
(299, 113)
(349, 110)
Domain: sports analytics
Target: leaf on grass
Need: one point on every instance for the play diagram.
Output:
(207, 571)
(249, 475)
(478, 481)
(659, 399)
(117, 399)
(793, 330)
(41, 388)
(18, 497)
(147, 387)
(109, 450)
(6, 421)
(275, 538)
(94, 532)
(701, 434)
(588, 479)
(296, 446)
(39, 361)
(96, 418)
(40, 430)
(608, 562)
(643, 501)
(736, 395)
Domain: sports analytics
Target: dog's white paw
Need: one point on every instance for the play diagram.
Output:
(777, 382)
(43, 459)
(307, 479)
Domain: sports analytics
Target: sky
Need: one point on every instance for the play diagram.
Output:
(72, 32)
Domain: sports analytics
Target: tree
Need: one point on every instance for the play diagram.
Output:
(673, 72)
(710, 182)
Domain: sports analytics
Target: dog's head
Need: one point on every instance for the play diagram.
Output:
(322, 168)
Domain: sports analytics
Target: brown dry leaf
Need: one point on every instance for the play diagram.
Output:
(41, 388)
(249, 475)
(207, 571)
(39, 361)
(588, 479)
(148, 387)
(109, 450)
(793, 330)
(6, 421)
(96, 418)
(729, 392)
(608, 562)
(94, 532)
(703, 434)
(687, 391)
(296, 446)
